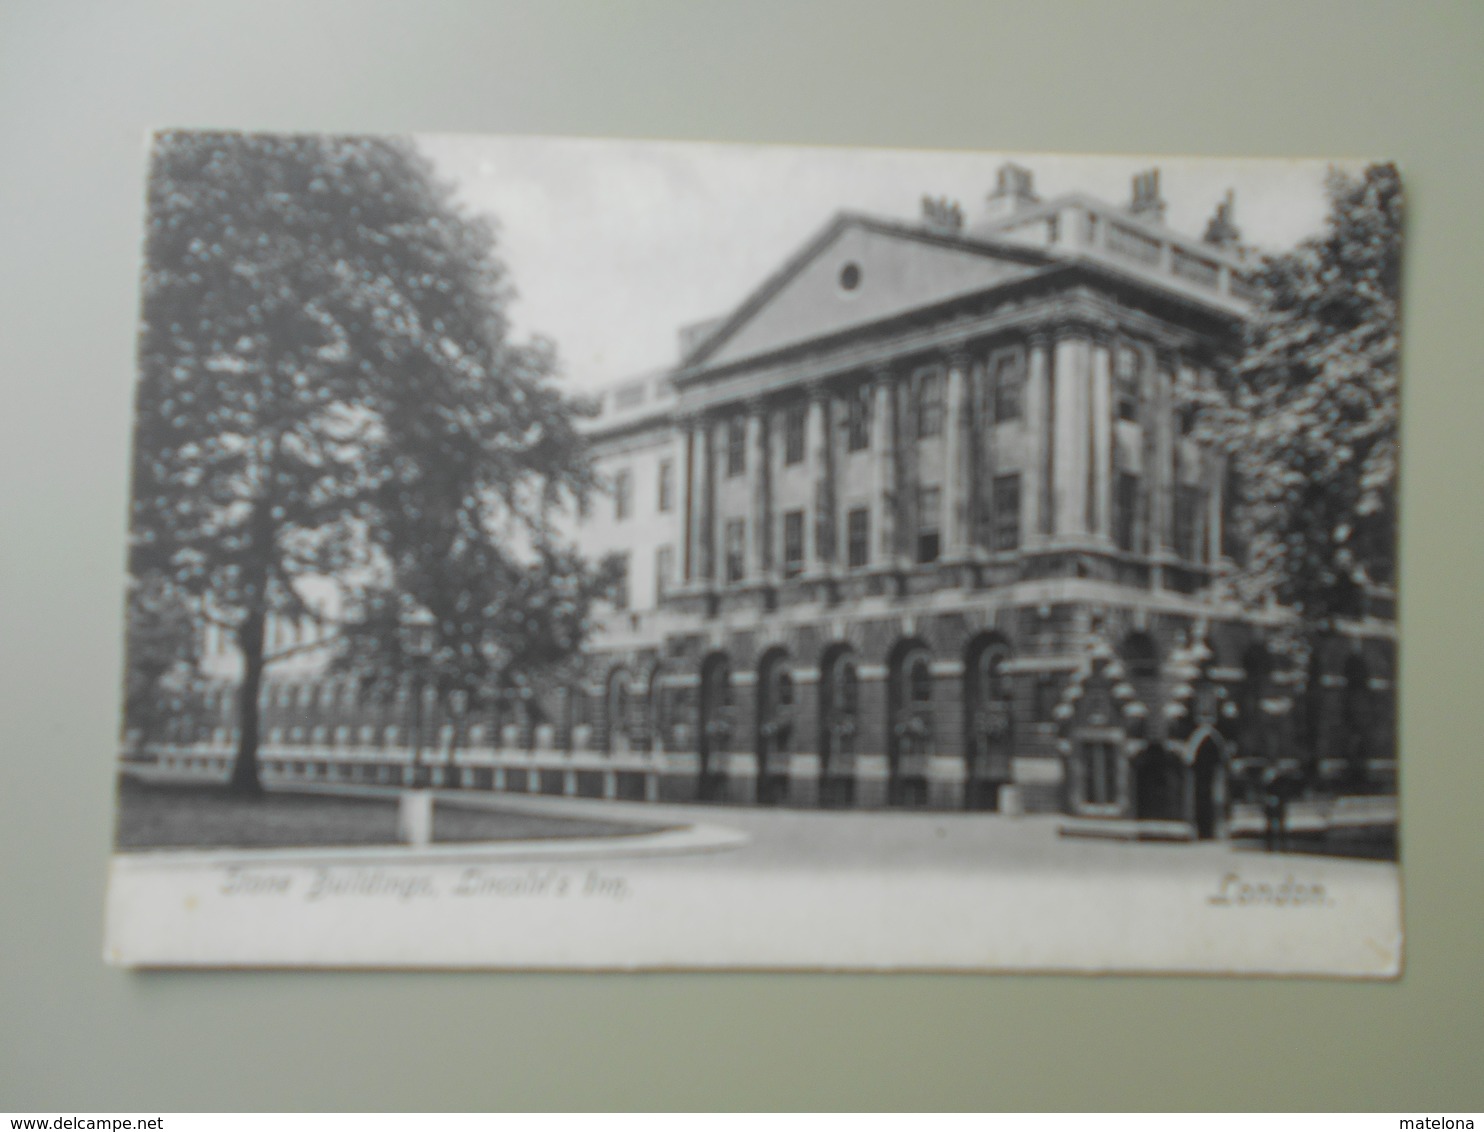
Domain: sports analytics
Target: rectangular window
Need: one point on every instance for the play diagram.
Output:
(1007, 512)
(1125, 509)
(667, 486)
(623, 495)
(736, 547)
(621, 584)
(736, 446)
(793, 543)
(664, 571)
(929, 403)
(793, 435)
(1009, 386)
(858, 422)
(858, 529)
(929, 516)
(1188, 501)
(1127, 378)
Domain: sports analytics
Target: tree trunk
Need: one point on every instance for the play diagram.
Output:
(245, 779)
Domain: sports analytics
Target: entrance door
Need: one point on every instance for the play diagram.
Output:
(1209, 788)
(1159, 780)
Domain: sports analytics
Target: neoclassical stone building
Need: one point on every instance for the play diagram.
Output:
(922, 522)
(943, 536)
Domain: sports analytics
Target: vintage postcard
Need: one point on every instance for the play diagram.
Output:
(616, 555)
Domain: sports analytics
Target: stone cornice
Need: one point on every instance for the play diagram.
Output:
(1079, 313)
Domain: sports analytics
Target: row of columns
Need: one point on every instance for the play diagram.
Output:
(1067, 472)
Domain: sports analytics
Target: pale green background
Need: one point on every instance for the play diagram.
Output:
(79, 83)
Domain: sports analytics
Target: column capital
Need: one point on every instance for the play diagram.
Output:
(958, 356)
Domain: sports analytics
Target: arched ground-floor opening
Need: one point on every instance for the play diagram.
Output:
(715, 727)
(1159, 785)
(774, 726)
(910, 723)
(839, 720)
(1208, 789)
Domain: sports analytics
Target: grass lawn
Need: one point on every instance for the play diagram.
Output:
(208, 817)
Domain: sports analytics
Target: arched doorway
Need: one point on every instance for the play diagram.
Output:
(1159, 785)
(910, 734)
(716, 718)
(1208, 789)
(988, 722)
(839, 718)
(775, 726)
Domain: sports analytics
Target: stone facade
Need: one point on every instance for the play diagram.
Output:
(922, 523)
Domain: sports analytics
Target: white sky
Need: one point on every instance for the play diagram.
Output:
(614, 245)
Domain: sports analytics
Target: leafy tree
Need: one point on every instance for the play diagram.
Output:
(327, 384)
(1310, 419)
(162, 663)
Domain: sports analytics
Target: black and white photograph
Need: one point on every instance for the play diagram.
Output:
(602, 555)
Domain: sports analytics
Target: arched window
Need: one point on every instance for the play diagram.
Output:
(716, 720)
(911, 733)
(775, 726)
(839, 720)
(988, 719)
(839, 703)
(912, 700)
(775, 714)
(716, 702)
(618, 714)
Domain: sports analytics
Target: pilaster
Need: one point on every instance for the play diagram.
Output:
(1070, 465)
(1101, 509)
(1036, 417)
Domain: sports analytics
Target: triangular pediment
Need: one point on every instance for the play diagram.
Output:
(856, 272)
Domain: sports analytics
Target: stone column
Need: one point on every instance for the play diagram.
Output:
(883, 473)
(1102, 441)
(816, 463)
(1035, 493)
(758, 558)
(955, 488)
(694, 492)
(709, 533)
(1070, 466)
(1163, 474)
(1215, 468)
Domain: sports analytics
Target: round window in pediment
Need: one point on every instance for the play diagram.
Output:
(850, 276)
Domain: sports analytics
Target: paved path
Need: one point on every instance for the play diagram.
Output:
(785, 839)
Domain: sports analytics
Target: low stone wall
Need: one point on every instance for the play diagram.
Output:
(802, 781)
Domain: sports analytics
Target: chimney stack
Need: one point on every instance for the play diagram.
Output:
(1013, 192)
(1222, 230)
(1147, 203)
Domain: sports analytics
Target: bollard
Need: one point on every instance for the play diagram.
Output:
(415, 818)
